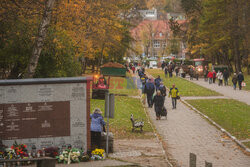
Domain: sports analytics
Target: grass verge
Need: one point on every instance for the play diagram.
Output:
(123, 86)
(247, 144)
(185, 87)
(232, 115)
(121, 125)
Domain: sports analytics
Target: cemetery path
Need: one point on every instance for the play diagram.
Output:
(227, 91)
(185, 131)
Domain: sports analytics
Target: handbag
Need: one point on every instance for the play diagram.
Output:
(243, 84)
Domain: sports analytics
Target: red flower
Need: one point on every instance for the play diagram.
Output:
(12, 147)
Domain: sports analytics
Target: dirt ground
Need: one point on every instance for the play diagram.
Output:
(143, 152)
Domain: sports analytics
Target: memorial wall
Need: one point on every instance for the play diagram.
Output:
(45, 112)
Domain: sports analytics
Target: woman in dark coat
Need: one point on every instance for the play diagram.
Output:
(158, 101)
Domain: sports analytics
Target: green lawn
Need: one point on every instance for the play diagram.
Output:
(247, 80)
(185, 87)
(232, 115)
(121, 125)
(123, 86)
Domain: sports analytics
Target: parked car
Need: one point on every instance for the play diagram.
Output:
(152, 64)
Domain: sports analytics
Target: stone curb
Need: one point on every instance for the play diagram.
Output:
(218, 126)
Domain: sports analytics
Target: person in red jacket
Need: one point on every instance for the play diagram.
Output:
(210, 76)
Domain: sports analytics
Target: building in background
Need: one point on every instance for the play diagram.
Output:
(153, 36)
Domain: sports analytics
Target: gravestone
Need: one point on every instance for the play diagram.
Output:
(45, 112)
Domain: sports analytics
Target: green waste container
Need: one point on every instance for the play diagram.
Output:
(220, 68)
(112, 71)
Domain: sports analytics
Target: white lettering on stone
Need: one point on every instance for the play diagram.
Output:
(45, 107)
(12, 127)
(29, 108)
(29, 119)
(12, 111)
(46, 124)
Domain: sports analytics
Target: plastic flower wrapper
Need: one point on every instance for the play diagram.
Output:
(69, 156)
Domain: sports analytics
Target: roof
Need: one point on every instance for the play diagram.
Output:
(160, 28)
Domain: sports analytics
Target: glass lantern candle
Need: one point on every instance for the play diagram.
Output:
(33, 151)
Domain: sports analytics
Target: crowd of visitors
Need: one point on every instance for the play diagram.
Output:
(156, 91)
(223, 77)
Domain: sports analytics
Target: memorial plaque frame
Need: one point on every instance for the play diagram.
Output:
(46, 112)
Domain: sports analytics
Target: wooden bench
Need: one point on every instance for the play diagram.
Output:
(136, 124)
(40, 162)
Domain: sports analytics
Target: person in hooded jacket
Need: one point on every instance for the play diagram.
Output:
(96, 127)
(163, 90)
(158, 102)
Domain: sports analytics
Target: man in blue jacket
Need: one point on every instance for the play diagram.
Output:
(96, 127)
(149, 90)
(157, 82)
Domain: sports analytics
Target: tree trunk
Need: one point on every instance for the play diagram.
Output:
(40, 39)
(236, 36)
(93, 66)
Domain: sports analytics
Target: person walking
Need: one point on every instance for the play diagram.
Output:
(234, 80)
(149, 90)
(174, 93)
(133, 69)
(158, 102)
(196, 74)
(170, 70)
(182, 72)
(214, 76)
(163, 65)
(157, 82)
(96, 127)
(225, 77)
(219, 76)
(166, 72)
(163, 90)
(210, 77)
(143, 82)
(176, 71)
(240, 78)
(205, 74)
(191, 73)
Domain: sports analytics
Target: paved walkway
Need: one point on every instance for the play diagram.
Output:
(227, 91)
(186, 132)
(102, 163)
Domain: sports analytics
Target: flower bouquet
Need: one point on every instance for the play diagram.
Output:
(17, 151)
(69, 156)
(98, 154)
